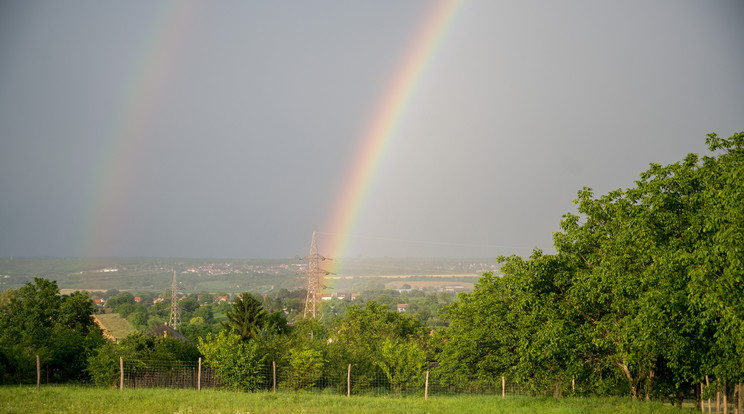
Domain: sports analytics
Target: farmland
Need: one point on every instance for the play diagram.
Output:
(238, 275)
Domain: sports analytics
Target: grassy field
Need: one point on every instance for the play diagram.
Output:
(114, 325)
(64, 399)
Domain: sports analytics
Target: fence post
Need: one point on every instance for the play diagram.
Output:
(348, 382)
(718, 397)
(707, 384)
(38, 372)
(503, 387)
(426, 387)
(273, 366)
(121, 370)
(198, 377)
(573, 384)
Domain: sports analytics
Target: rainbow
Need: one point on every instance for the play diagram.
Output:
(383, 127)
(142, 91)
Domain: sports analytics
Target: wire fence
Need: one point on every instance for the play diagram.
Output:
(346, 380)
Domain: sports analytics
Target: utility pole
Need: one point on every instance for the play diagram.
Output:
(314, 280)
(175, 315)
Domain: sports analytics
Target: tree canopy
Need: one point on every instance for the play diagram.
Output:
(643, 296)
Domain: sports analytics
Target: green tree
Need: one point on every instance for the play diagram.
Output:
(37, 320)
(402, 362)
(357, 339)
(304, 368)
(246, 317)
(237, 363)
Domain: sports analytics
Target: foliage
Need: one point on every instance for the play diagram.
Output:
(304, 369)
(103, 363)
(644, 294)
(237, 363)
(246, 317)
(358, 339)
(36, 320)
(403, 363)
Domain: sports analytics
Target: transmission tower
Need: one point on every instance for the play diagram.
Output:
(314, 280)
(175, 315)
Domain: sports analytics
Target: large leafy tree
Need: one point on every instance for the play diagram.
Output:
(37, 320)
(358, 339)
(646, 287)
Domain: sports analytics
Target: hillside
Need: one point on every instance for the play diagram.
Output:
(114, 327)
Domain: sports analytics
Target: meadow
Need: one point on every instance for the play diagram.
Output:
(71, 399)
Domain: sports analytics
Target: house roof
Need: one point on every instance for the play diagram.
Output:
(165, 331)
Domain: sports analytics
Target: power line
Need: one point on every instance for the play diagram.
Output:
(175, 315)
(314, 280)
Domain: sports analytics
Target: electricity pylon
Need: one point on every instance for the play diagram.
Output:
(175, 315)
(314, 280)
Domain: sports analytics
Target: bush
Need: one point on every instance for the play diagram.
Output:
(238, 364)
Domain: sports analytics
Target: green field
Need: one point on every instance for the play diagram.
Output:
(115, 325)
(65, 399)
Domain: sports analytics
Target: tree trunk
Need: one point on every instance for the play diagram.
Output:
(650, 384)
(629, 377)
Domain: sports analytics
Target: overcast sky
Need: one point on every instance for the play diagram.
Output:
(226, 129)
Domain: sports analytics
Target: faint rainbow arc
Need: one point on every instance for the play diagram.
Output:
(384, 124)
(142, 91)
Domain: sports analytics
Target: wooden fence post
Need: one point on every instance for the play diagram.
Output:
(707, 384)
(121, 370)
(426, 387)
(348, 382)
(503, 387)
(198, 377)
(38, 372)
(273, 366)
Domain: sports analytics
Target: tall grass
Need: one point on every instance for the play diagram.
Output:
(66, 399)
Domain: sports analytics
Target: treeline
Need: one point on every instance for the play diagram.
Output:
(644, 295)
(200, 314)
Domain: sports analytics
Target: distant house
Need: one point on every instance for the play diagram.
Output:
(138, 299)
(402, 307)
(165, 331)
(158, 300)
(355, 295)
(221, 299)
(326, 296)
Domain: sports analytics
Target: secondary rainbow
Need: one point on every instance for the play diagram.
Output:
(383, 126)
(116, 169)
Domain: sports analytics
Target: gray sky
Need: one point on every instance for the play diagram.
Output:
(226, 129)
